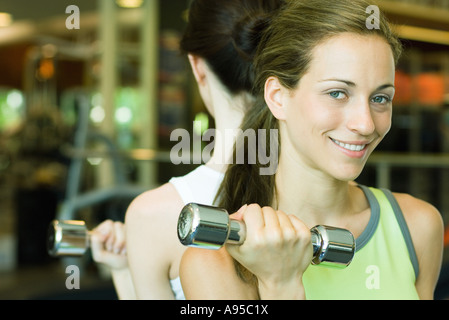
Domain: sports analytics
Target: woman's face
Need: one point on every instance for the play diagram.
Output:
(342, 107)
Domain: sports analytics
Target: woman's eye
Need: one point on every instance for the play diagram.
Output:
(381, 99)
(337, 94)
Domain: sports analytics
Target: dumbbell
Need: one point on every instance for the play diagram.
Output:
(209, 227)
(67, 238)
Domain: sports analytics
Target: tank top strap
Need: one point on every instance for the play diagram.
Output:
(383, 200)
(404, 229)
(176, 287)
(371, 228)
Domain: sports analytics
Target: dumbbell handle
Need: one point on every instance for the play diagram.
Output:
(210, 228)
(67, 238)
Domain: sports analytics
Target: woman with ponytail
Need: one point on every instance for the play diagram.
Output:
(220, 41)
(325, 81)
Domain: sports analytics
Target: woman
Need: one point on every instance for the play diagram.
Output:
(220, 40)
(326, 82)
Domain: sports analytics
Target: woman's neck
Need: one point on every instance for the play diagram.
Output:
(313, 196)
(228, 118)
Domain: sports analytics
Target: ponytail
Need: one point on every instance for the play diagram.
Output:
(243, 183)
(226, 34)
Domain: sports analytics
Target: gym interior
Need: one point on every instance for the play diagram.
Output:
(90, 93)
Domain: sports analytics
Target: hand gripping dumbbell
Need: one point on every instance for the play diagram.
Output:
(209, 227)
(67, 238)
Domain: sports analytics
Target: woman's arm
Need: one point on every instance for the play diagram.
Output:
(211, 275)
(427, 229)
(277, 250)
(152, 242)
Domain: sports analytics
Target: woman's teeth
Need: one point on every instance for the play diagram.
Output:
(350, 147)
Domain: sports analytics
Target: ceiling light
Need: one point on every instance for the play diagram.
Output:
(129, 3)
(5, 19)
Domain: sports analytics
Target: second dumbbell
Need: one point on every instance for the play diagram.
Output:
(67, 238)
(210, 228)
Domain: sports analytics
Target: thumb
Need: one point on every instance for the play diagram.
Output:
(234, 249)
(239, 214)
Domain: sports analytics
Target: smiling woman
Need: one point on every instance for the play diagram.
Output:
(326, 81)
(345, 119)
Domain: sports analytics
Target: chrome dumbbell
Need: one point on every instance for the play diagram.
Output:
(210, 228)
(67, 238)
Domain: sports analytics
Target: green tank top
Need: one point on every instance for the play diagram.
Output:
(384, 265)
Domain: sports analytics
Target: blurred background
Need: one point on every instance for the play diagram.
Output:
(86, 112)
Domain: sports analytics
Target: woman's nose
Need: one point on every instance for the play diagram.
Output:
(360, 119)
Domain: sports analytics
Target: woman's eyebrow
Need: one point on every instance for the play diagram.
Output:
(352, 84)
(385, 86)
(347, 82)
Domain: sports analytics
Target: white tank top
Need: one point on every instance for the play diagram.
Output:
(199, 186)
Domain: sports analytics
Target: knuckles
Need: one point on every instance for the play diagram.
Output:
(281, 231)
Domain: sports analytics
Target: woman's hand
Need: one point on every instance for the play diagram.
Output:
(108, 244)
(277, 250)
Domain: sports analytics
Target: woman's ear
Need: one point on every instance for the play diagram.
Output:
(198, 68)
(274, 92)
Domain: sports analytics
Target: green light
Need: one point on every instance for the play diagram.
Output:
(201, 123)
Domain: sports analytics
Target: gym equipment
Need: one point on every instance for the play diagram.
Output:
(209, 227)
(67, 238)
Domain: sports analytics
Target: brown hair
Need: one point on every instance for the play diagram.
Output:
(226, 34)
(285, 52)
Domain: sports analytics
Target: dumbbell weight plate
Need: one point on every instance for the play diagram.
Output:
(67, 238)
(208, 227)
(332, 247)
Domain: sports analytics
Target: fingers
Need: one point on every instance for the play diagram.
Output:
(108, 244)
(277, 248)
(254, 218)
(109, 236)
(274, 224)
(286, 226)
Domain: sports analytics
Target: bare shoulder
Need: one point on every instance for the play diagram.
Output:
(160, 206)
(151, 221)
(210, 274)
(152, 218)
(419, 214)
(217, 260)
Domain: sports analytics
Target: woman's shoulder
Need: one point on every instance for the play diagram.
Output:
(425, 224)
(160, 204)
(418, 213)
(211, 274)
(218, 260)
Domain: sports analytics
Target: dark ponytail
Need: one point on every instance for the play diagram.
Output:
(226, 34)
